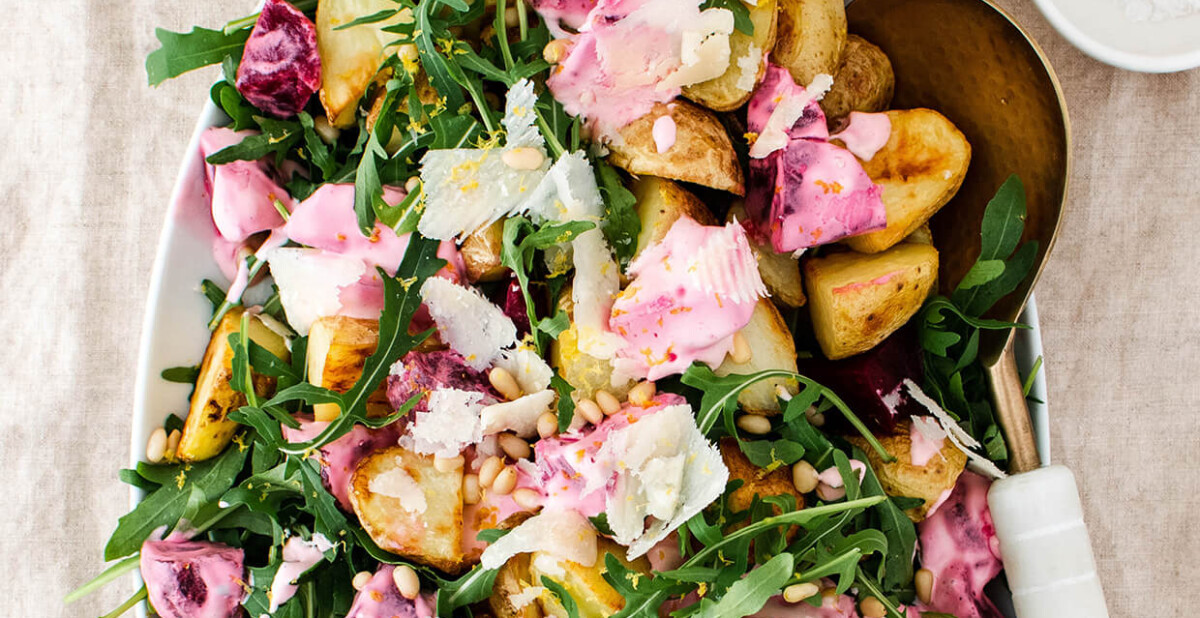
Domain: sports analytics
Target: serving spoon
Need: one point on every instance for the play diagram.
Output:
(971, 62)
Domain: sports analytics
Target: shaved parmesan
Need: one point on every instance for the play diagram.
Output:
(528, 367)
(470, 323)
(563, 534)
(748, 66)
(310, 282)
(525, 597)
(520, 116)
(704, 50)
(961, 440)
(450, 425)
(519, 416)
(724, 264)
(397, 483)
(774, 134)
(469, 188)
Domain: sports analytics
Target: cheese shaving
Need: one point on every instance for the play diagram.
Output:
(310, 282)
(397, 483)
(961, 440)
(774, 134)
(520, 117)
(748, 66)
(468, 322)
(725, 265)
(450, 425)
(519, 416)
(561, 533)
(469, 188)
(532, 372)
(525, 597)
(704, 50)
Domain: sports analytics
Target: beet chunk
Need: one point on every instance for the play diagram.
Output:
(418, 373)
(193, 578)
(871, 383)
(515, 308)
(280, 67)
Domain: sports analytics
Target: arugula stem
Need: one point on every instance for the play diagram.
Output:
(854, 420)
(866, 582)
(128, 604)
(249, 20)
(502, 33)
(556, 147)
(113, 572)
(485, 112)
(522, 20)
(255, 265)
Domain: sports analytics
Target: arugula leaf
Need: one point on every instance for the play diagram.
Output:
(182, 52)
(473, 587)
(566, 405)
(520, 243)
(621, 223)
(564, 597)
(752, 592)
(899, 530)
(996, 274)
(771, 454)
(181, 375)
(165, 505)
(276, 138)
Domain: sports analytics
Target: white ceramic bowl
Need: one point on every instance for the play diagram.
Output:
(1105, 31)
(175, 332)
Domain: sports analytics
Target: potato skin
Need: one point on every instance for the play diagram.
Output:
(780, 272)
(920, 168)
(811, 38)
(864, 82)
(660, 203)
(755, 483)
(350, 57)
(511, 579)
(433, 537)
(902, 478)
(771, 347)
(722, 94)
(208, 430)
(593, 595)
(481, 253)
(856, 300)
(702, 153)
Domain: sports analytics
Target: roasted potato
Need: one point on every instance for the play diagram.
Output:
(338, 347)
(771, 347)
(902, 478)
(921, 236)
(920, 168)
(593, 595)
(864, 82)
(780, 272)
(584, 372)
(701, 154)
(350, 58)
(481, 253)
(512, 579)
(208, 429)
(660, 203)
(756, 481)
(856, 300)
(746, 53)
(410, 508)
(811, 37)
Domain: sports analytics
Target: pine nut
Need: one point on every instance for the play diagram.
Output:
(408, 52)
(447, 464)
(923, 580)
(470, 489)
(608, 403)
(590, 411)
(505, 482)
(156, 446)
(741, 353)
(490, 470)
(504, 383)
(815, 418)
(172, 445)
(798, 592)
(412, 184)
(754, 424)
(523, 158)
(514, 447)
(547, 424)
(527, 498)
(361, 579)
(804, 477)
(555, 50)
(872, 608)
(511, 17)
(642, 394)
(406, 581)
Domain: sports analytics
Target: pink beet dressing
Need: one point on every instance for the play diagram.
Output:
(243, 192)
(380, 599)
(193, 579)
(958, 543)
(921, 448)
(866, 134)
(664, 133)
(340, 457)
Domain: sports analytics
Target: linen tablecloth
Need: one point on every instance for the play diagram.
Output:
(90, 154)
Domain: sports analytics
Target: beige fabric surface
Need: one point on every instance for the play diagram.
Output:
(91, 152)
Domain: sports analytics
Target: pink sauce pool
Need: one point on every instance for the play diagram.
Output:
(922, 449)
(958, 543)
(299, 556)
(380, 599)
(667, 318)
(340, 458)
(559, 13)
(243, 192)
(193, 579)
(866, 134)
(492, 509)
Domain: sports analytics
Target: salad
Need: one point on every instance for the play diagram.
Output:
(573, 308)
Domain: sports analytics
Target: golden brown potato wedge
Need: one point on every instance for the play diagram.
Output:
(771, 347)
(593, 596)
(410, 508)
(856, 300)
(702, 153)
(756, 481)
(901, 478)
(584, 372)
(811, 37)
(920, 168)
(864, 82)
(921, 236)
(481, 253)
(338, 347)
(780, 272)
(351, 57)
(208, 430)
(660, 203)
(746, 55)
(512, 579)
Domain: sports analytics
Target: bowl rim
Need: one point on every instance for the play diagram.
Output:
(1143, 63)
